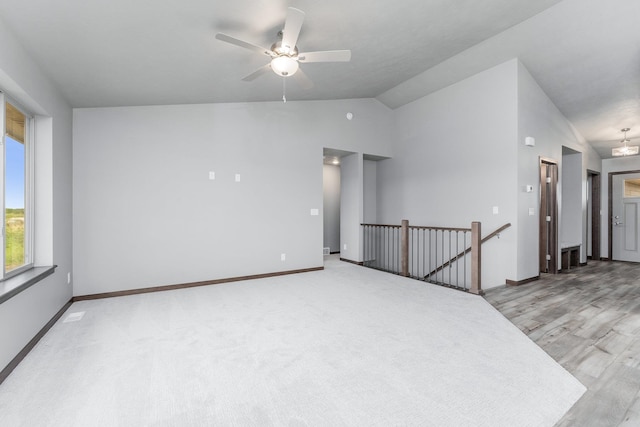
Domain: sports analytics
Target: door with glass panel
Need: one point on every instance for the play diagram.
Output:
(625, 220)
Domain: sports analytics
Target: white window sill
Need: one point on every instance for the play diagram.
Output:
(18, 283)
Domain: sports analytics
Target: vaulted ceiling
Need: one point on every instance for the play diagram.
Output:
(585, 54)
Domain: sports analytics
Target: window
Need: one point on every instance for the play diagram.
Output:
(632, 188)
(16, 178)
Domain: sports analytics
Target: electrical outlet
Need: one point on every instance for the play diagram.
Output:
(212, 175)
(283, 257)
(344, 246)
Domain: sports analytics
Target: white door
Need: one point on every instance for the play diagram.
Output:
(626, 217)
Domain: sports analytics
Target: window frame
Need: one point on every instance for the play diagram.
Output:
(29, 204)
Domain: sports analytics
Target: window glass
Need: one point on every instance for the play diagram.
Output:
(15, 168)
(632, 188)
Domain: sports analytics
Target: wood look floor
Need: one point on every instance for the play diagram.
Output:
(588, 320)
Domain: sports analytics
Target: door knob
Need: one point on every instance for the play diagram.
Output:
(618, 223)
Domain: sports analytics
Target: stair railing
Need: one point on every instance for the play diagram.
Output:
(445, 256)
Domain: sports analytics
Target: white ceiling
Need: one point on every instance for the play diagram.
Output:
(585, 54)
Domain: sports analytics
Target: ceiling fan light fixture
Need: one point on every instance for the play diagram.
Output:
(284, 65)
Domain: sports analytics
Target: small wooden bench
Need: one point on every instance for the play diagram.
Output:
(570, 255)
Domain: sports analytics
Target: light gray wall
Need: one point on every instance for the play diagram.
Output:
(619, 164)
(146, 213)
(22, 316)
(370, 208)
(453, 162)
(572, 199)
(539, 118)
(331, 207)
(351, 206)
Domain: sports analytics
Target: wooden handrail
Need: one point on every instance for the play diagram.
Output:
(466, 251)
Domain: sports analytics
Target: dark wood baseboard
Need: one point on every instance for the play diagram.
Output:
(604, 259)
(333, 253)
(352, 262)
(582, 264)
(521, 282)
(189, 285)
(27, 348)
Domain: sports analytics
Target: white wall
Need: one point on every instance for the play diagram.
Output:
(619, 164)
(572, 198)
(351, 206)
(331, 207)
(146, 213)
(453, 161)
(538, 117)
(22, 316)
(369, 214)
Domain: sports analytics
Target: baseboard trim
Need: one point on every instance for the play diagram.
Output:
(521, 282)
(27, 348)
(190, 285)
(604, 259)
(352, 262)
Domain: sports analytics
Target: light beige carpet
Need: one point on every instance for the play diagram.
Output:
(347, 346)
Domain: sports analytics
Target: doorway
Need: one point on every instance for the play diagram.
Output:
(548, 254)
(332, 160)
(625, 217)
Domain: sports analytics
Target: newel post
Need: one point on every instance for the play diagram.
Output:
(476, 259)
(404, 247)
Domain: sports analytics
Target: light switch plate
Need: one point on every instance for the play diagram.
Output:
(496, 210)
(315, 212)
(237, 177)
(532, 211)
(283, 257)
(212, 175)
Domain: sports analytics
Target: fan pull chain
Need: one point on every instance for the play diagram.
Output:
(284, 90)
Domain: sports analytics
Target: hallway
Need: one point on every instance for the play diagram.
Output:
(589, 321)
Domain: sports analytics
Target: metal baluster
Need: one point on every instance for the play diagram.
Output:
(442, 256)
(457, 263)
(465, 261)
(449, 234)
(430, 254)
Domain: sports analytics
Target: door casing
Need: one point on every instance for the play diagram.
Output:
(610, 207)
(595, 214)
(548, 231)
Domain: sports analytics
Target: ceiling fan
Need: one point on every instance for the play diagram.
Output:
(284, 54)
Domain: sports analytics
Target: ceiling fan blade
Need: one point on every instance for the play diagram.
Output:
(257, 73)
(303, 80)
(241, 43)
(325, 56)
(292, 27)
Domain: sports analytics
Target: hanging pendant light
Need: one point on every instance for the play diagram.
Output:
(626, 150)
